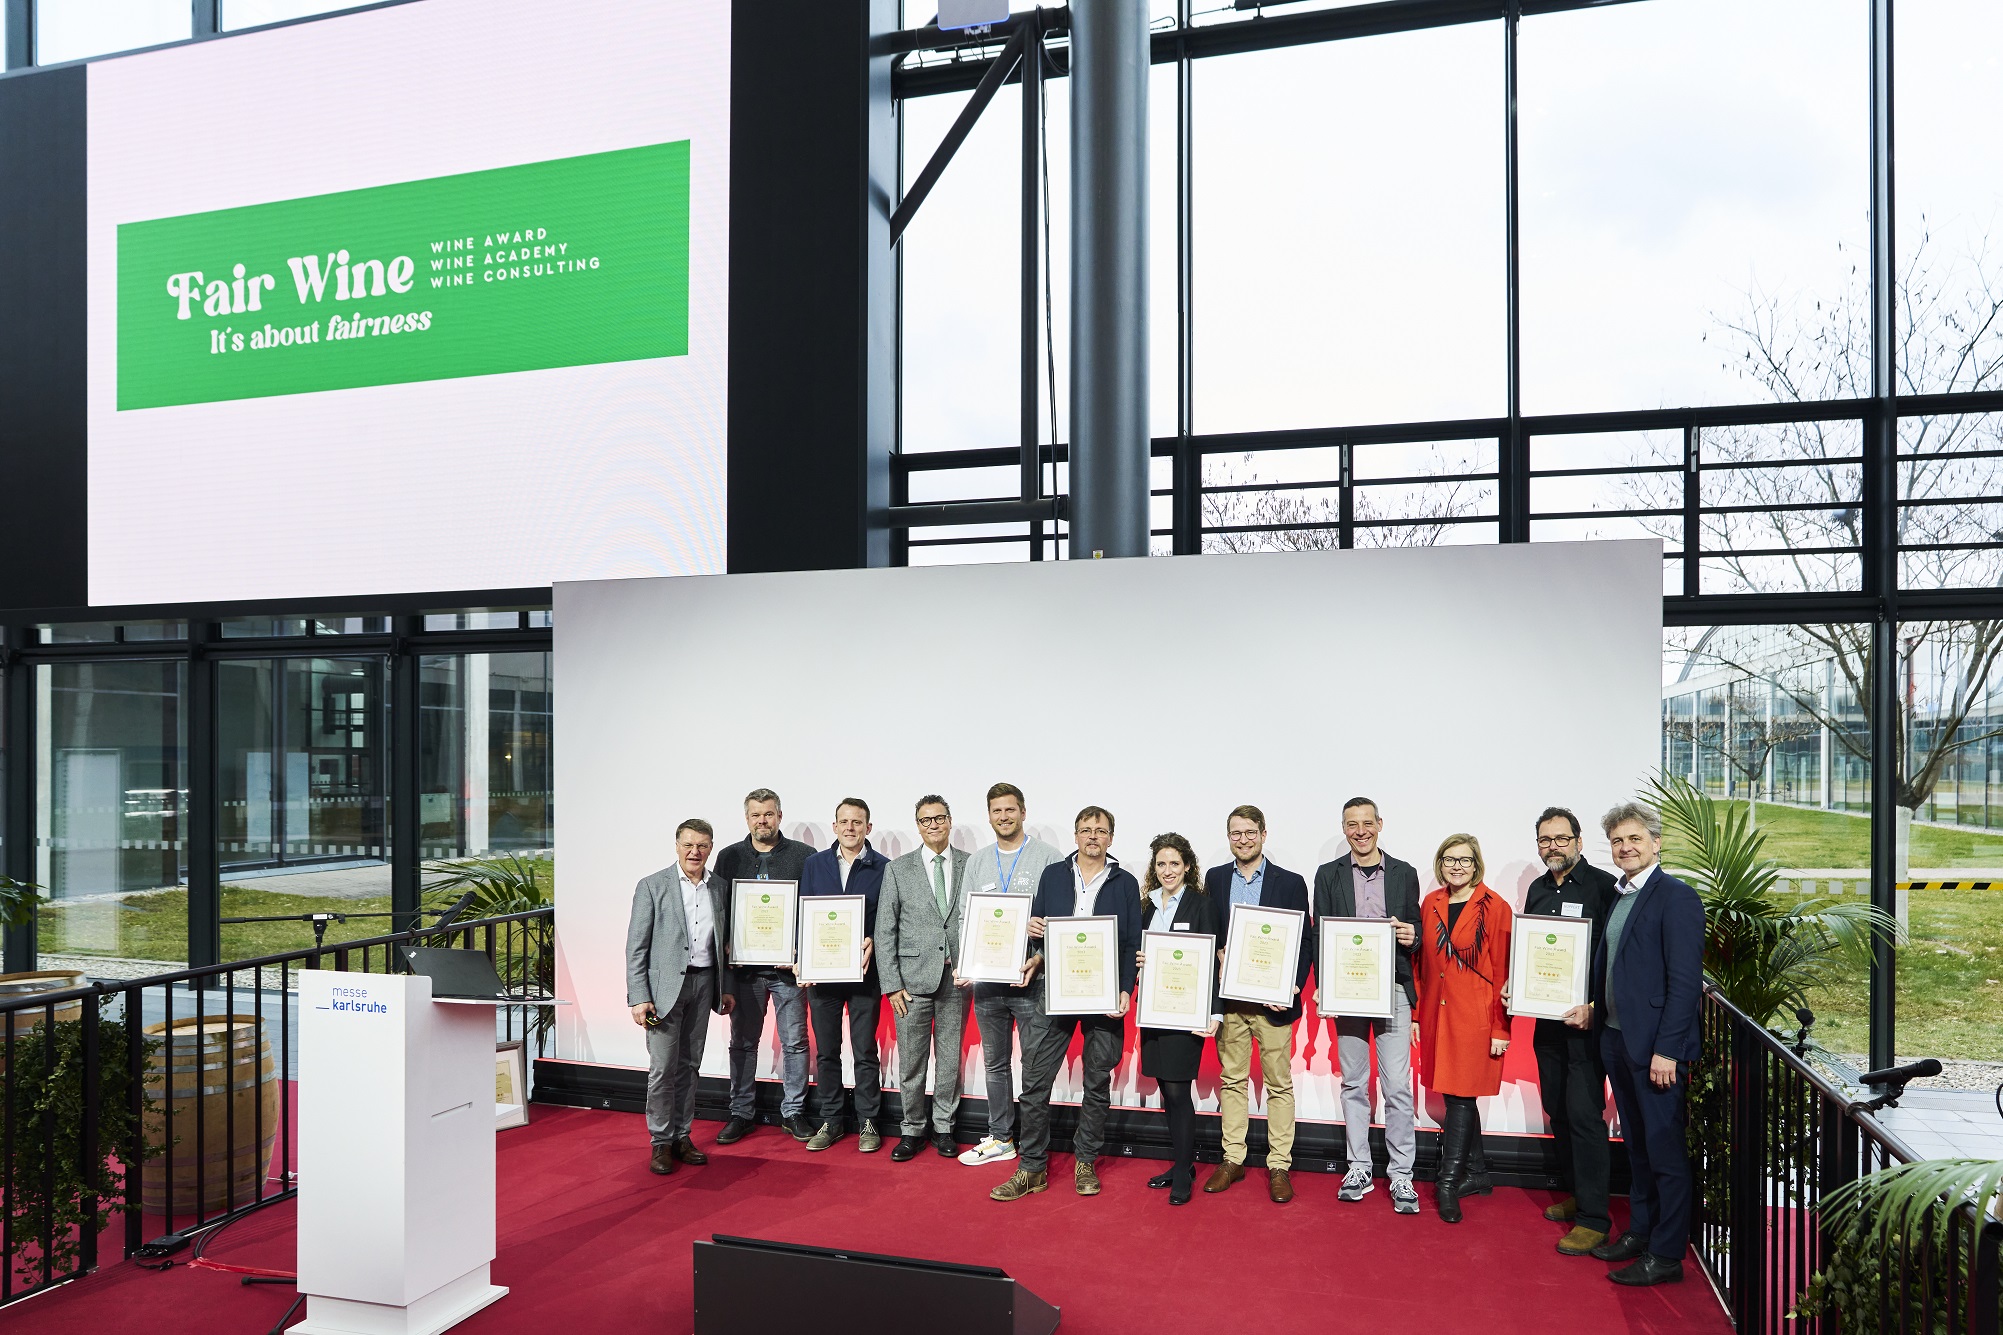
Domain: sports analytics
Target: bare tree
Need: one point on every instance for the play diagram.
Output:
(1261, 514)
(1783, 502)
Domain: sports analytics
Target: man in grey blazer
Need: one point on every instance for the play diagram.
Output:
(674, 945)
(917, 944)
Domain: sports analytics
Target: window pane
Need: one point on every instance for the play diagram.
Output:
(1244, 511)
(1780, 507)
(111, 797)
(1349, 221)
(1610, 485)
(1950, 517)
(1949, 86)
(74, 29)
(1693, 203)
(251, 13)
(484, 783)
(973, 545)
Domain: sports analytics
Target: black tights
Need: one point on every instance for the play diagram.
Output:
(1180, 1105)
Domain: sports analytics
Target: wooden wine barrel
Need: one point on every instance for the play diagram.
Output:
(19, 986)
(223, 1064)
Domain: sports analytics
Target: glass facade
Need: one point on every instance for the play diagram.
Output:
(485, 782)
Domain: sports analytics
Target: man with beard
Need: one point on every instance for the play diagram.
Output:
(765, 855)
(1570, 1079)
(1012, 865)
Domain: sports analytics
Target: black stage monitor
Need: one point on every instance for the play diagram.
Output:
(748, 1283)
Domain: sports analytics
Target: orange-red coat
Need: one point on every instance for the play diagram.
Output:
(1460, 993)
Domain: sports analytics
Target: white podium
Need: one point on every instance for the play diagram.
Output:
(396, 1155)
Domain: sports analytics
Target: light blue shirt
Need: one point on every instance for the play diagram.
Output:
(1165, 909)
(1244, 891)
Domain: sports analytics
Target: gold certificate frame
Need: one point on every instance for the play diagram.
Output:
(1261, 951)
(1081, 964)
(1356, 971)
(1550, 962)
(763, 917)
(832, 928)
(994, 938)
(1178, 978)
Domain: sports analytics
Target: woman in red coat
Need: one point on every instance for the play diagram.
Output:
(1461, 961)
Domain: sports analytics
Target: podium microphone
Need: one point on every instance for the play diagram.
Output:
(445, 919)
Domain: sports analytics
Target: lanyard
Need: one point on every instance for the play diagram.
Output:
(1008, 877)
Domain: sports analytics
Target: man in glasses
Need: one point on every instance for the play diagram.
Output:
(1252, 878)
(1367, 882)
(1090, 883)
(1012, 865)
(918, 923)
(1570, 1079)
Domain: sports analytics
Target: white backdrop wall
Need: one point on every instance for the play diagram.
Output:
(1464, 688)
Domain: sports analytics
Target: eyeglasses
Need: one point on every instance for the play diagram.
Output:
(935, 820)
(1456, 862)
(1099, 830)
(1243, 836)
(1554, 840)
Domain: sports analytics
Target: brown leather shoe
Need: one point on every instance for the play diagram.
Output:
(1223, 1176)
(663, 1161)
(1580, 1241)
(1281, 1184)
(1564, 1212)
(686, 1152)
(1087, 1178)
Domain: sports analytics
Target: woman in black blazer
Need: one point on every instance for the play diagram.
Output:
(1173, 899)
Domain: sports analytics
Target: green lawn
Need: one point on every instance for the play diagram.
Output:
(1950, 979)
(155, 926)
(1803, 838)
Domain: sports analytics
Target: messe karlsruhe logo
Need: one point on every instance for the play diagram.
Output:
(570, 262)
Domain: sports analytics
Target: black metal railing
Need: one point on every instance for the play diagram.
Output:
(1771, 1137)
(171, 1095)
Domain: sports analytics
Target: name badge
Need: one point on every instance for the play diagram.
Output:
(988, 889)
(1180, 927)
(1573, 910)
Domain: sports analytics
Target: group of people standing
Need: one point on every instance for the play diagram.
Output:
(1638, 1030)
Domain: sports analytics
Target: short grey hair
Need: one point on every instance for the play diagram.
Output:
(1650, 818)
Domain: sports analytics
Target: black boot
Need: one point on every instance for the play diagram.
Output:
(1476, 1181)
(1453, 1161)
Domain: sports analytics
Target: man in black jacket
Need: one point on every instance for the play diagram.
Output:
(1089, 883)
(1570, 1079)
(1253, 879)
(765, 855)
(1366, 882)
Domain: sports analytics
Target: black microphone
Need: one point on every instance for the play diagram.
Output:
(1899, 1075)
(445, 919)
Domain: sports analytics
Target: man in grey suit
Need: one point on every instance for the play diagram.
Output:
(917, 944)
(681, 918)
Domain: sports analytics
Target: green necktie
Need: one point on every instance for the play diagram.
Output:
(939, 883)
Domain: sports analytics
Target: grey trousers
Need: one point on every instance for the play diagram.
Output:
(755, 987)
(1103, 1042)
(932, 1026)
(674, 1057)
(996, 1012)
(1394, 1074)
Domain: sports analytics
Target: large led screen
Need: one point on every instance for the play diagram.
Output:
(425, 298)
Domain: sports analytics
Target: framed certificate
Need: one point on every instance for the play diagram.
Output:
(1260, 951)
(994, 938)
(832, 928)
(1082, 958)
(1357, 969)
(761, 921)
(1549, 959)
(1177, 972)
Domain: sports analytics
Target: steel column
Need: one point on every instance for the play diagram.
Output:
(18, 735)
(1030, 466)
(198, 840)
(1880, 500)
(1513, 463)
(406, 856)
(1109, 278)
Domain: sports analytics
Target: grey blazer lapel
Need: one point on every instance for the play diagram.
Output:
(669, 906)
(956, 896)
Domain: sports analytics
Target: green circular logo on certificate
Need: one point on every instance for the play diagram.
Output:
(765, 899)
(998, 913)
(831, 915)
(1266, 928)
(1356, 940)
(1081, 938)
(1178, 954)
(1550, 938)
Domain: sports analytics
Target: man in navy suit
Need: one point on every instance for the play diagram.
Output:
(1647, 979)
(851, 867)
(1089, 883)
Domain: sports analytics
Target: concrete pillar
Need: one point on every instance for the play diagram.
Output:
(1109, 278)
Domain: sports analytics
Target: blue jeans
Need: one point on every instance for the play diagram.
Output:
(753, 989)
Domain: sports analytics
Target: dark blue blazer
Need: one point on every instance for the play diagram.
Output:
(1282, 889)
(1119, 897)
(1658, 975)
(823, 876)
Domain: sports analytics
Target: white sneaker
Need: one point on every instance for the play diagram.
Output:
(1356, 1183)
(989, 1150)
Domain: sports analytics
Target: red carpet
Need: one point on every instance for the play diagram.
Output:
(590, 1241)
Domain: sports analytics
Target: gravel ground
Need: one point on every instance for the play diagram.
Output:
(1953, 1074)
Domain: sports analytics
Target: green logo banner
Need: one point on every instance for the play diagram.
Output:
(564, 263)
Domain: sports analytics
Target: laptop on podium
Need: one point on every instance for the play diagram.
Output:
(464, 976)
